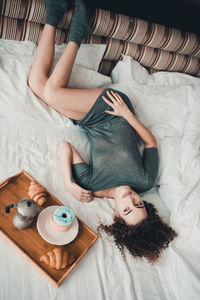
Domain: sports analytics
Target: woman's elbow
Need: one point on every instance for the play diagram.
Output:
(152, 143)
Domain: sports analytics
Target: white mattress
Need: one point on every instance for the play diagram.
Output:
(30, 131)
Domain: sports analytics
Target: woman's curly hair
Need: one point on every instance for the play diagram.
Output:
(146, 239)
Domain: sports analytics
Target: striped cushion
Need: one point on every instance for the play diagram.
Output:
(155, 46)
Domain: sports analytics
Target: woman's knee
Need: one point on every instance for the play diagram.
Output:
(50, 92)
(36, 84)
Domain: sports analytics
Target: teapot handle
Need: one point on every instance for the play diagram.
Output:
(7, 209)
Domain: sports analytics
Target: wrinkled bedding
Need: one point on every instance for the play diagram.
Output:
(30, 131)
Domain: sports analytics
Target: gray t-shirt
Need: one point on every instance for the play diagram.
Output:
(115, 156)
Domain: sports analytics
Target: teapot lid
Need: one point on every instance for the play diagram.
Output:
(27, 207)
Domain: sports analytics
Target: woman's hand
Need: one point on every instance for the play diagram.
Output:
(79, 193)
(120, 108)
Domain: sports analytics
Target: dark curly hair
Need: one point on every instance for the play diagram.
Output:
(146, 239)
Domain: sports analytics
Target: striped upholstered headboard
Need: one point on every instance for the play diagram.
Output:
(156, 47)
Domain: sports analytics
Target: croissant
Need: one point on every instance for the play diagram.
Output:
(37, 192)
(57, 258)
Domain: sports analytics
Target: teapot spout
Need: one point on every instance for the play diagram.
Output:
(7, 209)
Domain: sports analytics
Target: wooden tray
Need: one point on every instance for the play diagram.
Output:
(28, 241)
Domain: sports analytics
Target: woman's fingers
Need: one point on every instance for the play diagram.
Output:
(110, 112)
(81, 194)
(113, 97)
(117, 97)
(107, 101)
(112, 104)
(116, 102)
(86, 195)
(86, 198)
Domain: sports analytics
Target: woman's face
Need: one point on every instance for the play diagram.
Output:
(129, 206)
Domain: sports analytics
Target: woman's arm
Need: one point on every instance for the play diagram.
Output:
(67, 156)
(143, 132)
(121, 109)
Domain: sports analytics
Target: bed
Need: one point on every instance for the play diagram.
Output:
(158, 68)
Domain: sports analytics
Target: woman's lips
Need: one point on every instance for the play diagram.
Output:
(126, 194)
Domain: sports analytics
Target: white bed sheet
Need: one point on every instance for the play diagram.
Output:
(30, 131)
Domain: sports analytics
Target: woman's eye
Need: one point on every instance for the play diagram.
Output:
(126, 209)
(139, 205)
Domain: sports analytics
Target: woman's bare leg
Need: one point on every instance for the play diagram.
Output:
(42, 62)
(74, 103)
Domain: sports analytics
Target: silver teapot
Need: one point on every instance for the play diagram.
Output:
(26, 211)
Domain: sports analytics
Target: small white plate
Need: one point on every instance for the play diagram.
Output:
(50, 234)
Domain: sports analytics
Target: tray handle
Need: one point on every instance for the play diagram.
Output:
(9, 179)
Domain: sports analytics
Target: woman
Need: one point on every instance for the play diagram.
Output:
(116, 170)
